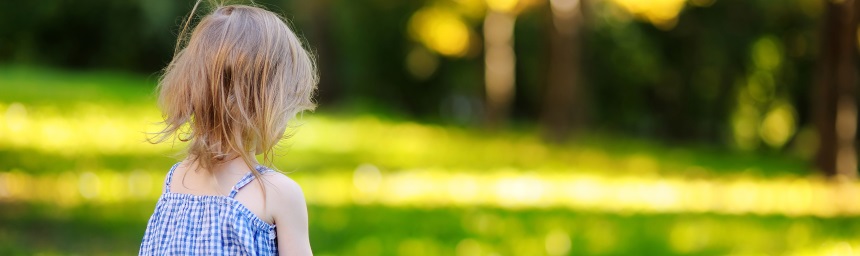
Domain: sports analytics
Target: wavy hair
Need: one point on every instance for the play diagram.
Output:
(235, 82)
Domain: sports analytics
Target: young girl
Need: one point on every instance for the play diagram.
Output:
(241, 75)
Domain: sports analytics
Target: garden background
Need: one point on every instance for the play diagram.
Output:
(467, 127)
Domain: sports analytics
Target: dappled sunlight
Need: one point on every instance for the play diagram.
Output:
(461, 127)
(440, 30)
(405, 166)
(767, 53)
(834, 248)
(557, 242)
(85, 129)
(661, 13)
(579, 182)
(504, 188)
(69, 189)
(745, 124)
(421, 63)
(763, 112)
(579, 218)
(502, 5)
(778, 125)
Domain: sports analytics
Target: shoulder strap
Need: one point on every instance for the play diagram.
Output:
(247, 179)
(169, 178)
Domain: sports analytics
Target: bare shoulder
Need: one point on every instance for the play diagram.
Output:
(282, 186)
(283, 194)
(289, 212)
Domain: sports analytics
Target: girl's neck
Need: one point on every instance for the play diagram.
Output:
(236, 164)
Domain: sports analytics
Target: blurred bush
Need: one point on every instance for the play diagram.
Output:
(675, 70)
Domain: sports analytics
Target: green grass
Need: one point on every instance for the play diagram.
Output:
(42, 86)
(367, 230)
(61, 94)
(339, 142)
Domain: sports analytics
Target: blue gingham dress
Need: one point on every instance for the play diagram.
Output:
(185, 224)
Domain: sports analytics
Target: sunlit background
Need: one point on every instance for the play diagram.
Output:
(467, 127)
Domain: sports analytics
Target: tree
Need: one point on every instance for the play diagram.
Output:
(499, 60)
(834, 98)
(563, 105)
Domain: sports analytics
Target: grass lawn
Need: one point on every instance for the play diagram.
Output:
(72, 155)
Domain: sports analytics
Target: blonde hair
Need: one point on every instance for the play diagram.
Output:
(236, 82)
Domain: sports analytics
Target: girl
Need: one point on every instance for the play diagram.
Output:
(241, 75)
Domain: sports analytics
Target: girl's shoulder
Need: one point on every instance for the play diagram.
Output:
(289, 211)
(280, 180)
(282, 191)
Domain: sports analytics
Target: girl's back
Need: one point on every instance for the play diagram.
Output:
(187, 223)
(230, 93)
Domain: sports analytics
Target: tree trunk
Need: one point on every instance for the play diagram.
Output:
(499, 66)
(563, 108)
(834, 102)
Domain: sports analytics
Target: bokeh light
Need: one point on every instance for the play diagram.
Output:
(466, 127)
(661, 13)
(441, 30)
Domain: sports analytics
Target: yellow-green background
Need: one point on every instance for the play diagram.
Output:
(700, 140)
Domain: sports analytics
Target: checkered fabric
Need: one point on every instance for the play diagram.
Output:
(185, 224)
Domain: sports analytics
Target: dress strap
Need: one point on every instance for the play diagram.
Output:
(247, 179)
(169, 178)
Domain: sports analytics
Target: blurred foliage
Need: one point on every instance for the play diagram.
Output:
(401, 91)
(64, 115)
(727, 72)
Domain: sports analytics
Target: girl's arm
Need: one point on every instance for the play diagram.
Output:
(290, 214)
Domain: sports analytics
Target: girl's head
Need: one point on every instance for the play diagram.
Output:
(235, 81)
